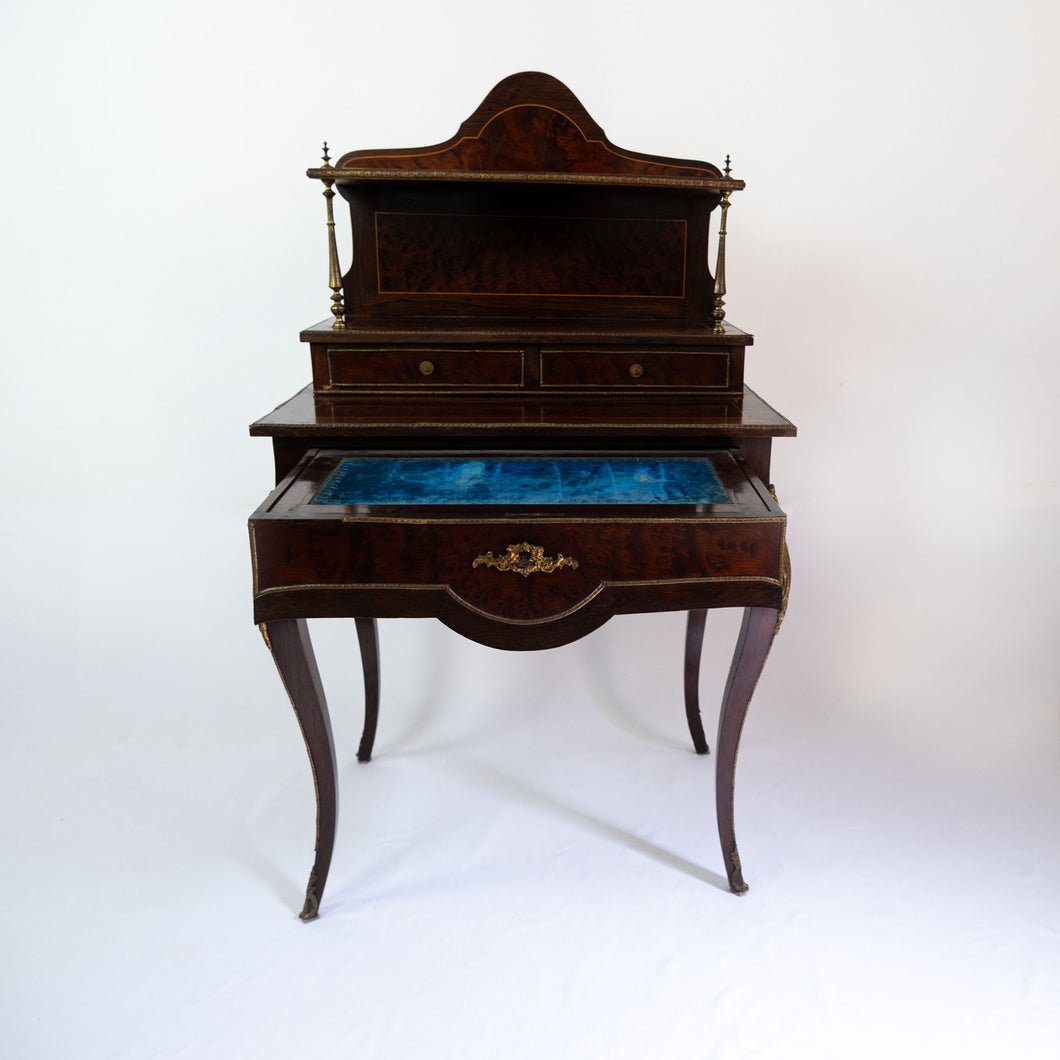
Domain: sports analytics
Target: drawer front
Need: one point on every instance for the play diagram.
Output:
(512, 571)
(632, 368)
(420, 367)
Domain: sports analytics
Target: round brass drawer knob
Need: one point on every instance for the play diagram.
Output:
(636, 370)
(426, 367)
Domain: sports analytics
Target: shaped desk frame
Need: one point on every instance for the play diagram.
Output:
(307, 564)
(525, 288)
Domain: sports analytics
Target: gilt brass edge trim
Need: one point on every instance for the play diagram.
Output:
(648, 354)
(634, 388)
(254, 566)
(380, 290)
(785, 579)
(708, 579)
(559, 616)
(431, 347)
(434, 586)
(504, 621)
(345, 587)
(702, 335)
(687, 349)
(348, 391)
(519, 520)
(702, 428)
(349, 176)
(411, 387)
(528, 294)
(785, 567)
(682, 221)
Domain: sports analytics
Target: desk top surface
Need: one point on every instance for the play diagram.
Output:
(305, 415)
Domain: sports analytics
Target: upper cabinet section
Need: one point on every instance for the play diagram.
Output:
(529, 213)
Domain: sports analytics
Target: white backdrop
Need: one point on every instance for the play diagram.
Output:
(529, 868)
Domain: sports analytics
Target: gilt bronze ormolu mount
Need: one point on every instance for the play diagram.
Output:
(527, 414)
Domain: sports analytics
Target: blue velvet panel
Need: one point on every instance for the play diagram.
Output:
(523, 480)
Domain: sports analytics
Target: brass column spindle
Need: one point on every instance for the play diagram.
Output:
(719, 274)
(334, 276)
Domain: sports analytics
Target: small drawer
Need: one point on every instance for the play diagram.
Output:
(420, 367)
(633, 368)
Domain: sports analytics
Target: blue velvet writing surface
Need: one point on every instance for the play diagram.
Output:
(523, 480)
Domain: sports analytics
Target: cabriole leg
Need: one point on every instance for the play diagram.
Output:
(693, 653)
(292, 650)
(368, 638)
(752, 647)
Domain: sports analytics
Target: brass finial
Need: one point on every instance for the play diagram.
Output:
(728, 168)
(334, 274)
(338, 310)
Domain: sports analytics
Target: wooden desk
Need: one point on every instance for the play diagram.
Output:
(524, 450)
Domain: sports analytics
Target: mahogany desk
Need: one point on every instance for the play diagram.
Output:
(521, 449)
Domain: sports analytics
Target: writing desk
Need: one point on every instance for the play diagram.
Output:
(527, 415)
